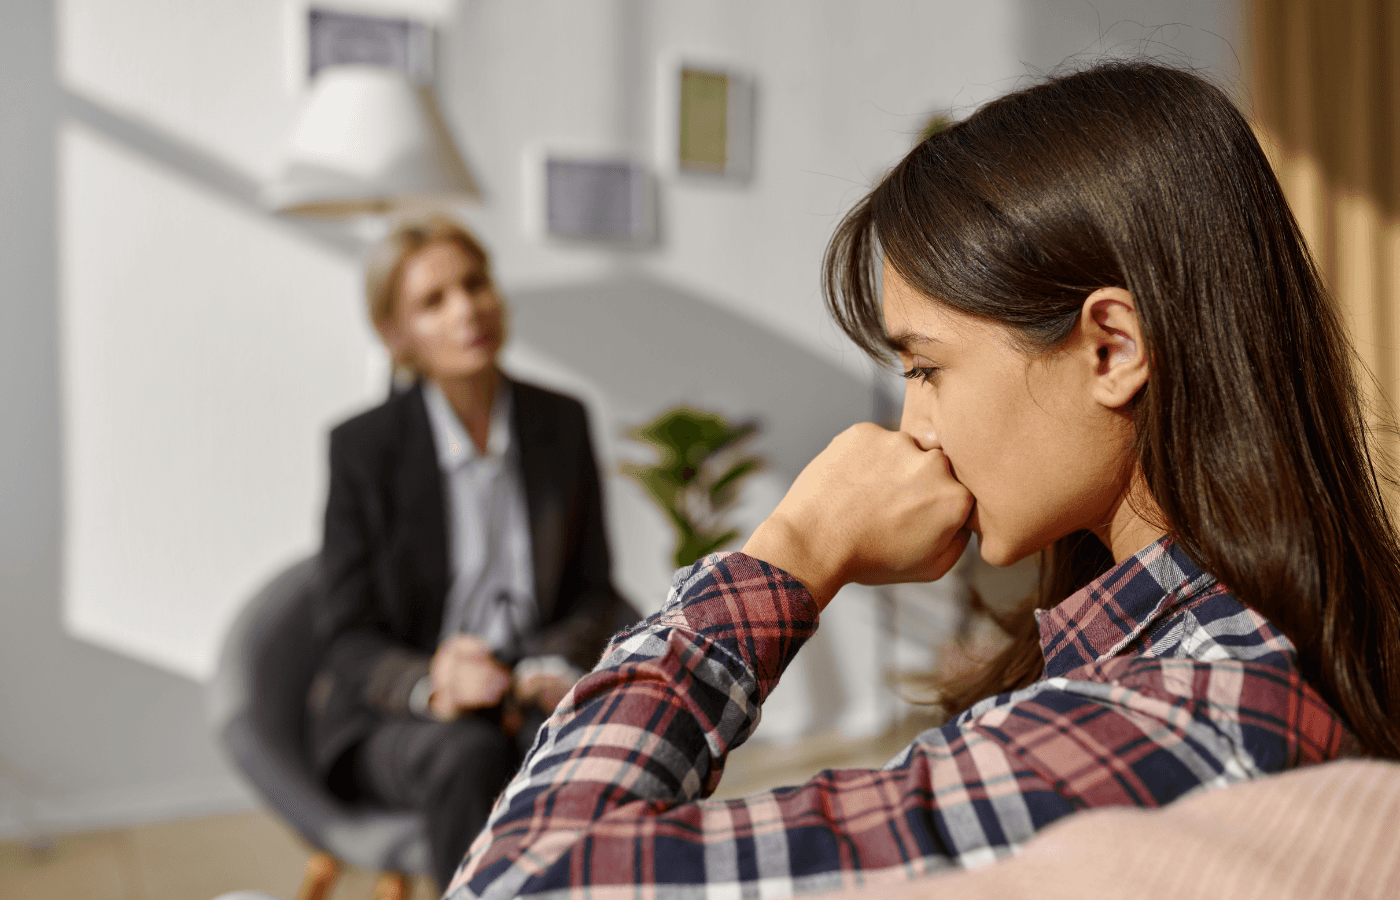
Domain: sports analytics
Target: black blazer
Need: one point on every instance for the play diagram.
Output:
(384, 562)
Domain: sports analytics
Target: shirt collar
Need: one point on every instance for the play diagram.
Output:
(1098, 620)
(455, 447)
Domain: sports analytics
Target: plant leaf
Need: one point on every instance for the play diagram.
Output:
(686, 439)
(685, 530)
(660, 483)
(719, 491)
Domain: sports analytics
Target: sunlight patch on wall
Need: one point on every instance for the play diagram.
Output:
(205, 351)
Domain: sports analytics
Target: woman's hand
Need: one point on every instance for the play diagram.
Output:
(465, 677)
(872, 508)
(541, 689)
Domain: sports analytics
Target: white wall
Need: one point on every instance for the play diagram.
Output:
(166, 282)
(86, 737)
(1205, 35)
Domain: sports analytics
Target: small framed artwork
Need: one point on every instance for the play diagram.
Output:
(583, 197)
(398, 34)
(338, 38)
(706, 120)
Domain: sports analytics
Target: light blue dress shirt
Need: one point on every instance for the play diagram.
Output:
(492, 592)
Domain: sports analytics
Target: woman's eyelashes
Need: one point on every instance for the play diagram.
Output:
(926, 374)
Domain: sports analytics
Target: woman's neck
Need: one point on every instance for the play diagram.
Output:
(1135, 521)
(473, 397)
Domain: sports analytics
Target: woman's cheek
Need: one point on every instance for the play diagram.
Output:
(423, 327)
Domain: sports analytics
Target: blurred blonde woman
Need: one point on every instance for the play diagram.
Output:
(464, 567)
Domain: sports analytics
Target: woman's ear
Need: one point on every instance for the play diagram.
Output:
(395, 341)
(390, 334)
(1109, 323)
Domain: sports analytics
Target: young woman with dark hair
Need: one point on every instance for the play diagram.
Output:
(1120, 354)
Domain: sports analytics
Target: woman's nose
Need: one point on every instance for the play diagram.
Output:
(919, 428)
(927, 439)
(460, 304)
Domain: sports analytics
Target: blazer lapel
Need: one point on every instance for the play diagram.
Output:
(422, 521)
(535, 432)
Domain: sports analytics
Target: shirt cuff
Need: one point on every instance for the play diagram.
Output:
(418, 697)
(753, 609)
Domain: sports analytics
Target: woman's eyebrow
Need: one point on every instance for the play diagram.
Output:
(900, 341)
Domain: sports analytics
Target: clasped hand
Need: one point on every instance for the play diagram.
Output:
(467, 677)
(872, 508)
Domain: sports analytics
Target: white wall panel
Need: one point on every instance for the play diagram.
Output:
(210, 73)
(204, 351)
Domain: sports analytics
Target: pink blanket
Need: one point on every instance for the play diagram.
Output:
(1325, 832)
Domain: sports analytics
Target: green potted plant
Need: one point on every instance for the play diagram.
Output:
(696, 479)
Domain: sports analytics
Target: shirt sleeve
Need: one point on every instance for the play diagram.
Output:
(611, 795)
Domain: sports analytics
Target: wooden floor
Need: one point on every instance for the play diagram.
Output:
(199, 859)
(195, 859)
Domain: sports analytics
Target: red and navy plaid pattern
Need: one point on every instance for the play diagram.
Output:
(1158, 683)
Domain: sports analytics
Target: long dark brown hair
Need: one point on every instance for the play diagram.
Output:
(1251, 430)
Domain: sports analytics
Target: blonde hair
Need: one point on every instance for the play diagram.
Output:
(386, 259)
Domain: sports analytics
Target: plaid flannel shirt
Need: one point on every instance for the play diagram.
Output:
(1158, 682)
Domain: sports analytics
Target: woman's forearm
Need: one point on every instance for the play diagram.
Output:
(651, 726)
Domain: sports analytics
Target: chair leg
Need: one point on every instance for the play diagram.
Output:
(392, 886)
(321, 872)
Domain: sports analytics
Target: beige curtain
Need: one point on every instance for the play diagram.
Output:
(1326, 86)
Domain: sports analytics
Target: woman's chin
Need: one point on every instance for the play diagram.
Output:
(467, 363)
(998, 553)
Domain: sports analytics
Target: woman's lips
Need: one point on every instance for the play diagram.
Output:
(481, 340)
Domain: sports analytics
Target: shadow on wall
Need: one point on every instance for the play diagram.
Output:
(650, 345)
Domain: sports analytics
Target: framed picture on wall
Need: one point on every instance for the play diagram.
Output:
(398, 34)
(705, 120)
(580, 196)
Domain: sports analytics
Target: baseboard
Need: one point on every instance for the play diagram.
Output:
(34, 818)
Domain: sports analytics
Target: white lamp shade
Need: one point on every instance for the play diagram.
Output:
(368, 140)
